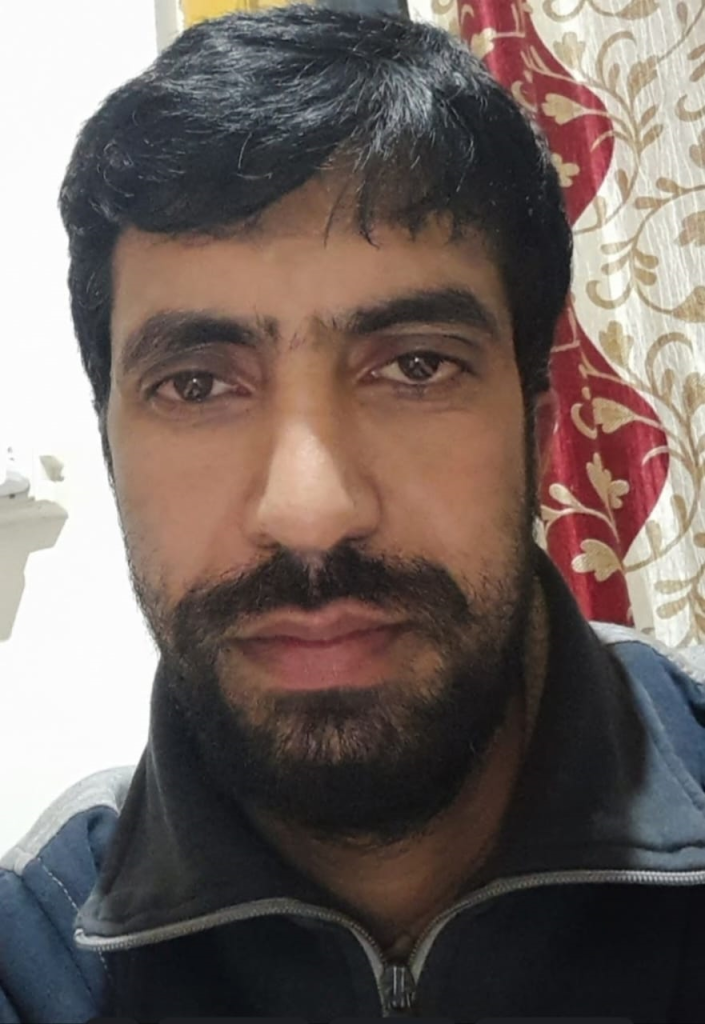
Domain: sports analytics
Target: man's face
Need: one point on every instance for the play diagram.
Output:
(319, 458)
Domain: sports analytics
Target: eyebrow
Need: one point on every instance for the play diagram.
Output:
(173, 332)
(435, 306)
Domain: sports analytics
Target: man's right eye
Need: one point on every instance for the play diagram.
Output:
(192, 387)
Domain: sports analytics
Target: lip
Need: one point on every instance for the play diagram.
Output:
(331, 625)
(342, 646)
(352, 660)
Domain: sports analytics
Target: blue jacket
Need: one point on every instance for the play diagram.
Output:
(142, 894)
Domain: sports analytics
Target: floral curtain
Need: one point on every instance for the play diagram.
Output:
(618, 86)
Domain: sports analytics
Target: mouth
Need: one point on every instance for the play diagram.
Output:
(335, 648)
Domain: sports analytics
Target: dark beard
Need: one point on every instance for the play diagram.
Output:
(377, 763)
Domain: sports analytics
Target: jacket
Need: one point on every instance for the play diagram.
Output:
(142, 894)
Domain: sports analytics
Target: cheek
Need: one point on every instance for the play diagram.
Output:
(461, 488)
(177, 505)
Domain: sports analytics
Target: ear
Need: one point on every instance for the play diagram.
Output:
(545, 423)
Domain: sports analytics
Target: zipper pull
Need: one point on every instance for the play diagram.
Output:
(398, 988)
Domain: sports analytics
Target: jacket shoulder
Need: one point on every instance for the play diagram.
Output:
(688, 660)
(44, 879)
(668, 685)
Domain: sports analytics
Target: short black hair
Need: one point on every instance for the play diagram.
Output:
(241, 110)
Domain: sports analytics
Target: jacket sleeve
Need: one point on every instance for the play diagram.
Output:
(41, 980)
(44, 880)
(44, 977)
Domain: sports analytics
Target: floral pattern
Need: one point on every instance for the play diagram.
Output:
(615, 87)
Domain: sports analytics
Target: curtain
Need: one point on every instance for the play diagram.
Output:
(617, 85)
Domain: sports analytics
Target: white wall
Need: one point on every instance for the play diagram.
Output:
(75, 673)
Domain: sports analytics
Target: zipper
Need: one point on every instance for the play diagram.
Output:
(396, 983)
(504, 886)
(260, 908)
(398, 990)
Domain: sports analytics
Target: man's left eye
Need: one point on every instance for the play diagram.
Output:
(414, 368)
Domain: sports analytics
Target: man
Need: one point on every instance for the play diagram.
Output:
(316, 264)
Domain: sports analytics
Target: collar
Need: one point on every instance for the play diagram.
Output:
(601, 788)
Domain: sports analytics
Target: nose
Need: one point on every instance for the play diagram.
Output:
(313, 493)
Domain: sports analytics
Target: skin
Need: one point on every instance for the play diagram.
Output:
(315, 436)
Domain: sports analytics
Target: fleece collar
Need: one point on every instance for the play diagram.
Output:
(612, 781)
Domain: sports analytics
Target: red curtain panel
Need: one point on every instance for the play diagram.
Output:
(619, 89)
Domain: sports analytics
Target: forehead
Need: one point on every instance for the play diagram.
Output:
(296, 264)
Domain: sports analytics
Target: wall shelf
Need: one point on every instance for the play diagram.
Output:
(22, 511)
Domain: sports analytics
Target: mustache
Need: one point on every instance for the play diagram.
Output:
(423, 590)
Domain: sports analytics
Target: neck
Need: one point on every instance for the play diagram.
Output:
(396, 891)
